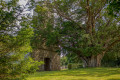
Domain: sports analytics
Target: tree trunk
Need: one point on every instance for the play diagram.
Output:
(92, 61)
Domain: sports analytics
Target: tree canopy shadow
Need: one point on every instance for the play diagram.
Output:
(114, 79)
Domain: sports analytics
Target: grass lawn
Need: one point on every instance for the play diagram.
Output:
(78, 74)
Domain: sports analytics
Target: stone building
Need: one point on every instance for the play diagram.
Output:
(50, 58)
(48, 55)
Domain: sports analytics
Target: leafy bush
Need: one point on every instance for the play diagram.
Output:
(74, 66)
(70, 66)
(29, 65)
(18, 69)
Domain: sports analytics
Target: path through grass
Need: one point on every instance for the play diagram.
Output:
(78, 74)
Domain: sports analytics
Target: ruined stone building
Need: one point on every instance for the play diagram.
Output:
(48, 55)
(50, 58)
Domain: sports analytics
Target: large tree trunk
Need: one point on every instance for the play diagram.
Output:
(92, 61)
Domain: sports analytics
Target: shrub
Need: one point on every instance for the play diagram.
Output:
(74, 65)
(70, 66)
(18, 70)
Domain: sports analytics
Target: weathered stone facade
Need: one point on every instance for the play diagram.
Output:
(50, 58)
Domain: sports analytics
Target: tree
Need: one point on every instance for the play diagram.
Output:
(15, 42)
(81, 27)
(42, 23)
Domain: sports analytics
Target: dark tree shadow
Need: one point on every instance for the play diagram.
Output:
(114, 79)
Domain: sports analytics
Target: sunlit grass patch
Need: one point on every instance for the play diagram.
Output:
(78, 74)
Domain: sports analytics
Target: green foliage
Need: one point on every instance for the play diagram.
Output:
(114, 7)
(81, 27)
(74, 66)
(73, 58)
(64, 61)
(15, 62)
(69, 66)
(26, 66)
(112, 58)
(43, 27)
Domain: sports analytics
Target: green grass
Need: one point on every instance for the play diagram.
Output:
(78, 74)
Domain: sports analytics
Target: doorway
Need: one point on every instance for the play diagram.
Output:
(47, 64)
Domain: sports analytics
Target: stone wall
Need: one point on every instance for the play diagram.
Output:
(41, 54)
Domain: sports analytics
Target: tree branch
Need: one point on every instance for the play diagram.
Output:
(60, 13)
(112, 44)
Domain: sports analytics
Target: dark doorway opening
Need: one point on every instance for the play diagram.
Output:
(47, 64)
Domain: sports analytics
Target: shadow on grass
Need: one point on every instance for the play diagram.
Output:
(79, 79)
(114, 79)
(86, 72)
(98, 72)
